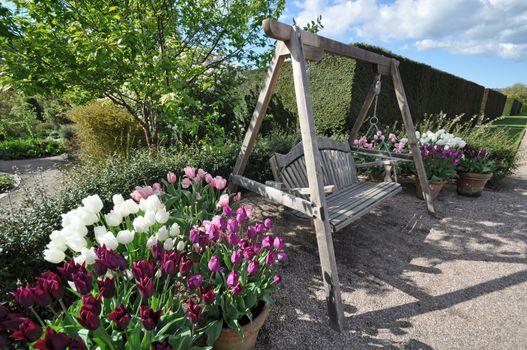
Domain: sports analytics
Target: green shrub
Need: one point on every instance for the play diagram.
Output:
(30, 148)
(105, 129)
(493, 103)
(6, 182)
(24, 232)
(67, 131)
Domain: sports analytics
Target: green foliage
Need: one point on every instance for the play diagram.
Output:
(153, 58)
(517, 91)
(105, 129)
(30, 148)
(6, 182)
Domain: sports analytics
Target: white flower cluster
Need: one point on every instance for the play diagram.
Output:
(440, 137)
(75, 228)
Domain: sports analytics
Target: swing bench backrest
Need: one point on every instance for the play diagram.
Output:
(348, 199)
(338, 167)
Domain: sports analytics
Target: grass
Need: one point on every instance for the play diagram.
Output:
(515, 126)
(520, 121)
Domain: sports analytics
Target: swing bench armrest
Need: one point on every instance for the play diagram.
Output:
(297, 190)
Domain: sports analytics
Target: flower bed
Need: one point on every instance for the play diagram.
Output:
(167, 268)
(30, 148)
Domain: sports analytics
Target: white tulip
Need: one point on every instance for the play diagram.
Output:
(140, 225)
(158, 274)
(109, 240)
(54, 256)
(162, 216)
(117, 199)
(127, 207)
(58, 239)
(85, 216)
(168, 244)
(93, 203)
(87, 257)
(180, 246)
(53, 245)
(150, 217)
(76, 243)
(151, 242)
(113, 218)
(162, 234)
(174, 229)
(75, 230)
(125, 236)
(152, 203)
(69, 218)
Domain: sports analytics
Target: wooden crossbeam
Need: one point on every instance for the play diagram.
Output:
(282, 31)
(363, 111)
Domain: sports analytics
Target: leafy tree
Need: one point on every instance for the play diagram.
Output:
(150, 57)
(518, 91)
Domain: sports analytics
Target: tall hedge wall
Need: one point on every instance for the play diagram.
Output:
(493, 103)
(516, 107)
(339, 86)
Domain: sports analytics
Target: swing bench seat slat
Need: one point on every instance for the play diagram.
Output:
(350, 198)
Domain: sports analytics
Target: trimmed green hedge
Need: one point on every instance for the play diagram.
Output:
(493, 103)
(516, 107)
(339, 86)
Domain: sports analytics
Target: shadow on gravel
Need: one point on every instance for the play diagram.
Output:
(376, 255)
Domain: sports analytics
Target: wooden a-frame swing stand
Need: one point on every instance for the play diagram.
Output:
(302, 46)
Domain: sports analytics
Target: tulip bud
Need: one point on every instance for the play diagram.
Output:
(232, 278)
(227, 211)
(223, 201)
(237, 289)
(270, 259)
(145, 287)
(267, 242)
(193, 311)
(180, 246)
(236, 257)
(268, 223)
(282, 256)
(171, 178)
(27, 331)
(120, 317)
(184, 266)
(214, 264)
(149, 317)
(277, 279)
(207, 295)
(24, 296)
(107, 287)
(195, 281)
(253, 267)
(278, 243)
(194, 235)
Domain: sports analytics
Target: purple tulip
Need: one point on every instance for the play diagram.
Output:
(259, 228)
(251, 232)
(268, 224)
(82, 281)
(282, 256)
(267, 242)
(42, 297)
(145, 287)
(68, 268)
(24, 296)
(193, 311)
(277, 279)
(207, 295)
(214, 264)
(120, 317)
(88, 319)
(28, 331)
(169, 262)
(149, 317)
(108, 259)
(77, 344)
(237, 289)
(156, 251)
(164, 345)
(213, 232)
(253, 268)
(248, 253)
(241, 215)
(53, 341)
(91, 304)
(142, 268)
(233, 239)
(195, 281)
(227, 211)
(107, 287)
(52, 284)
(184, 266)
(233, 278)
(232, 226)
(194, 235)
(236, 257)
(257, 248)
(270, 259)
(243, 243)
(278, 243)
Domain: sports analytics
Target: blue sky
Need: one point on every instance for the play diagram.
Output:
(484, 41)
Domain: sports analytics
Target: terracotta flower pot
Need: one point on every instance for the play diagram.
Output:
(230, 340)
(472, 184)
(435, 188)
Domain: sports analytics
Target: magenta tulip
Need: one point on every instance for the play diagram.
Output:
(207, 295)
(278, 243)
(253, 267)
(267, 242)
(142, 268)
(277, 279)
(268, 223)
(194, 311)
(281, 256)
(28, 331)
(237, 289)
(214, 264)
(232, 278)
(195, 281)
(236, 257)
(184, 266)
(24, 296)
(145, 286)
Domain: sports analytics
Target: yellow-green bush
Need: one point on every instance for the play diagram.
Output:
(104, 129)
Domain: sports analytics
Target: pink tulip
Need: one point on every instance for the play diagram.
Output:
(190, 172)
(224, 200)
(201, 173)
(171, 178)
(186, 183)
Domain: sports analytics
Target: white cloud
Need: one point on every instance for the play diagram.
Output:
(495, 27)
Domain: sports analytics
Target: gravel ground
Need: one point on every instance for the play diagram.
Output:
(44, 172)
(410, 281)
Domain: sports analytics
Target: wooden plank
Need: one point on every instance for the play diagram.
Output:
(283, 32)
(363, 111)
(259, 113)
(274, 194)
(381, 154)
(410, 132)
(314, 171)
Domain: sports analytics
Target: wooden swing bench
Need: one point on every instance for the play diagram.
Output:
(347, 198)
(318, 176)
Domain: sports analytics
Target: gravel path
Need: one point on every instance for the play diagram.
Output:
(410, 281)
(35, 172)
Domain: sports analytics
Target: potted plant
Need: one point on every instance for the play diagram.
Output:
(167, 269)
(474, 169)
(439, 165)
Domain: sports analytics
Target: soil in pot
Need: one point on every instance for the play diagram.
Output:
(472, 184)
(435, 188)
(229, 338)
